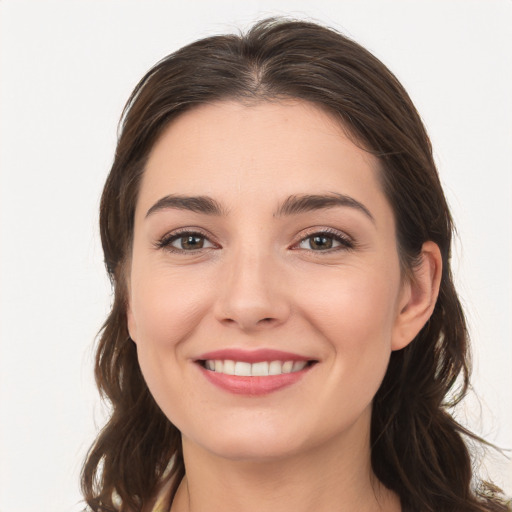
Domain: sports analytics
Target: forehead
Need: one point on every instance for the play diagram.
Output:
(255, 154)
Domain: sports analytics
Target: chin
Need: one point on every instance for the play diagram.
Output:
(249, 441)
(262, 449)
(269, 439)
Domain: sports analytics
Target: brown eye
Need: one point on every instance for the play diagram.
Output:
(320, 242)
(189, 242)
(324, 242)
(186, 241)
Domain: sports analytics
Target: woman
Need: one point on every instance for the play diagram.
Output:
(285, 331)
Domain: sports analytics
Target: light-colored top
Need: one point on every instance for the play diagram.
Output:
(163, 499)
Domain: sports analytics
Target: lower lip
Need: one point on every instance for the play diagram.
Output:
(253, 386)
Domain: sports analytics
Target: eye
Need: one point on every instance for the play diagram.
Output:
(185, 241)
(325, 241)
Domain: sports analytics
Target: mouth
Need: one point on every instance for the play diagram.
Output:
(259, 369)
(253, 373)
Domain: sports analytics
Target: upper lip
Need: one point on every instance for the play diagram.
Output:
(252, 356)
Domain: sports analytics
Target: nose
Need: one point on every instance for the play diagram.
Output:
(252, 293)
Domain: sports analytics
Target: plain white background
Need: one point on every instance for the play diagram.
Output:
(66, 70)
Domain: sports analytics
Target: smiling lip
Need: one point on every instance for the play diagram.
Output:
(253, 385)
(252, 356)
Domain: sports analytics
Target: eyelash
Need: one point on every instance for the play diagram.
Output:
(166, 241)
(346, 242)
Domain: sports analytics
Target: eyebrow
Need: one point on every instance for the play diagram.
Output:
(198, 204)
(293, 205)
(305, 203)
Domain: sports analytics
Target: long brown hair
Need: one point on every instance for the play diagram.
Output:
(418, 449)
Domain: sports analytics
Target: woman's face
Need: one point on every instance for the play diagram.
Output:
(263, 244)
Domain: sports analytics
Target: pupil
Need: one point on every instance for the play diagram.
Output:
(192, 242)
(321, 242)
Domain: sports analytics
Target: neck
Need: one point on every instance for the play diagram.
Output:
(323, 479)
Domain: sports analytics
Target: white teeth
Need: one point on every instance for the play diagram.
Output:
(241, 368)
(287, 367)
(229, 367)
(275, 368)
(260, 369)
(298, 366)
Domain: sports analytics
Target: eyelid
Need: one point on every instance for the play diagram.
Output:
(345, 240)
(165, 241)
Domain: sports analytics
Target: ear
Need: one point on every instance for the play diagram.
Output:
(418, 297)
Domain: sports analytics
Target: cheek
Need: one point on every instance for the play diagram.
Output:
(354, 314)
(165, 305)
(165, 309)
(357, 306)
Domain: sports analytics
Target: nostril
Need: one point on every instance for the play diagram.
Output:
(263, 322)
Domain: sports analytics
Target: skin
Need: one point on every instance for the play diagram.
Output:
(258, 282)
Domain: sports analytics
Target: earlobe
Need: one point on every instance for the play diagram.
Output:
(419, 296)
